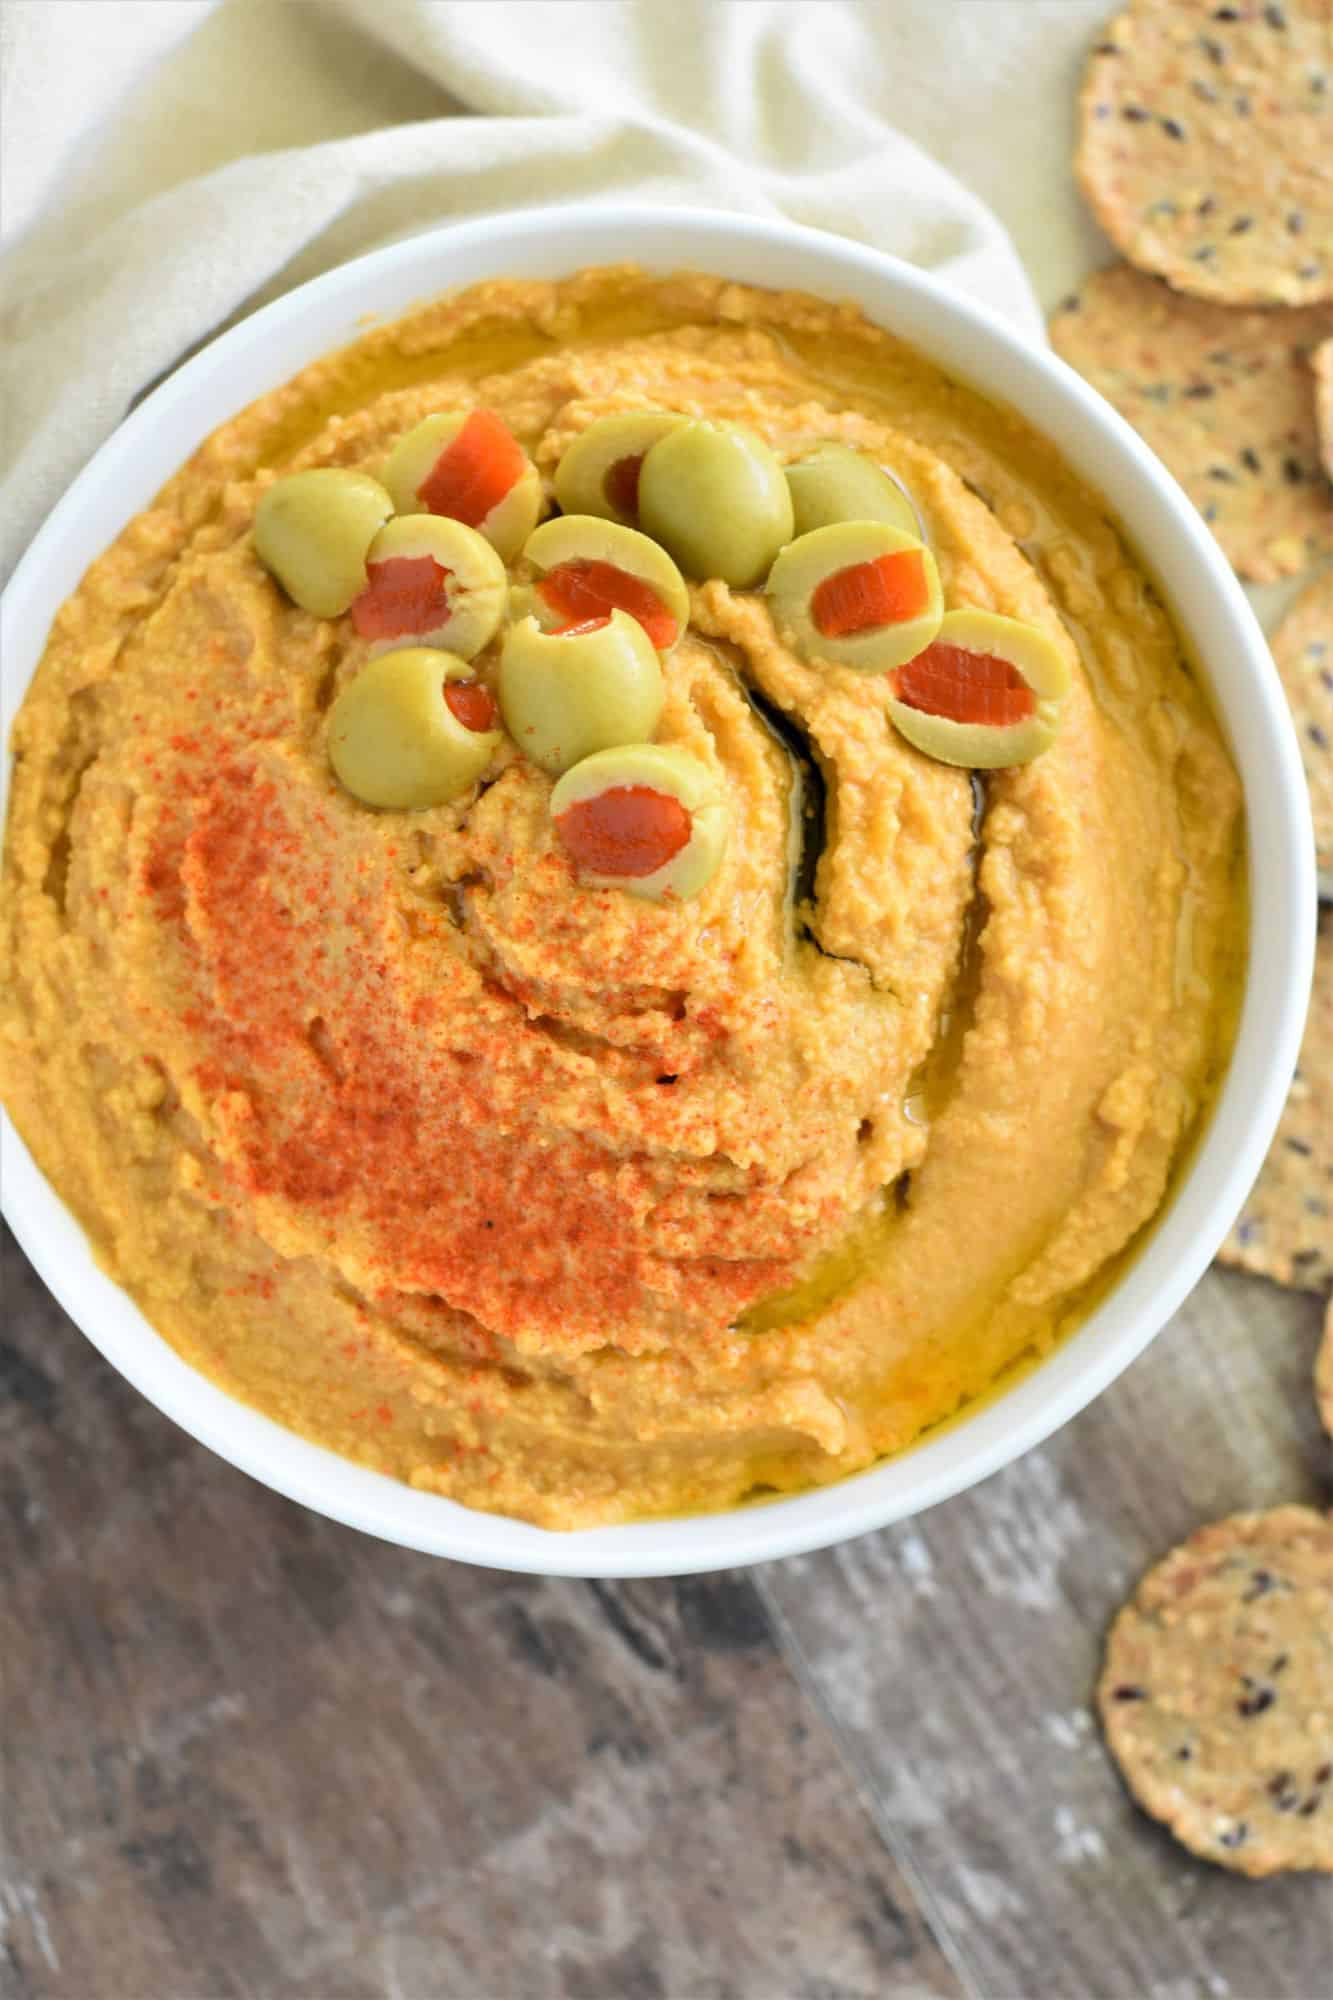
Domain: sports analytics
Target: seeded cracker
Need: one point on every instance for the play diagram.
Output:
(1303, 649)
(1224, 399)
(1217, 1692)
(1285, 1229)
(1322, 363)
(1206, 147)
(1323, 1373)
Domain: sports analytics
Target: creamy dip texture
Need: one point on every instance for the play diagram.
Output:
(561, 1203)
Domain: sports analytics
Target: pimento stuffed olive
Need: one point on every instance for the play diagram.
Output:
(469, 465)
(985, 693)
(716, 497)
(835, 483)
(859, 593)
(599, 472)
(646, 818)
(588, 687)
(415, 728)
(312, 531)
(431, 582)
(588, 568)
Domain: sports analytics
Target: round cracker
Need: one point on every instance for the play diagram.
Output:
(1206, 146)
(1216, 1694)
(1323, 1373)
(1303, 649)
(1322, 363)
(1285, 1230)
(1224, 399)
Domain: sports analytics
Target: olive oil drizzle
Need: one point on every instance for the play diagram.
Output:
(836, 1270)
(808, 806)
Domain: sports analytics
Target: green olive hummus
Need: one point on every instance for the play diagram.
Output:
(558, 1201)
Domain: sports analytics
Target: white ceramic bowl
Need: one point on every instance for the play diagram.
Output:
(271, 346)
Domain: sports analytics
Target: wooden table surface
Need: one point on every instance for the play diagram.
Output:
(250, 1755)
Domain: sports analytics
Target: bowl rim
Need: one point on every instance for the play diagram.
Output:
(973, 343)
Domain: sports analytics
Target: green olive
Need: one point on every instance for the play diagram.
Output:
(458, 608)
(717, 498)
(566, 694)
(588, 556)
(1004, 680)
(409, 466)
(826, 588)
(646, 818)
(394, 739)
(599, 473)
(312, 530)
(835, 483)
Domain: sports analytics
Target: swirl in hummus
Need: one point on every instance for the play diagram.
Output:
(559, 1202)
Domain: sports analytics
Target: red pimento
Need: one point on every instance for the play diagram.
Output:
(621, 485)
(582, 588)
(965, 687)
(404, 594)
(578, 631)
(628, 830)
(480, 464)
(885, 591)
(473, 704)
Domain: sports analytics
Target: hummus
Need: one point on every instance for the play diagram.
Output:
(559, 1202)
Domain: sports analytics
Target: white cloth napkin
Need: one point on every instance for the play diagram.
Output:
(170, 164)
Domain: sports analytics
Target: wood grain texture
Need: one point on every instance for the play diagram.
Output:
(958, 1655)
(250, 1754)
